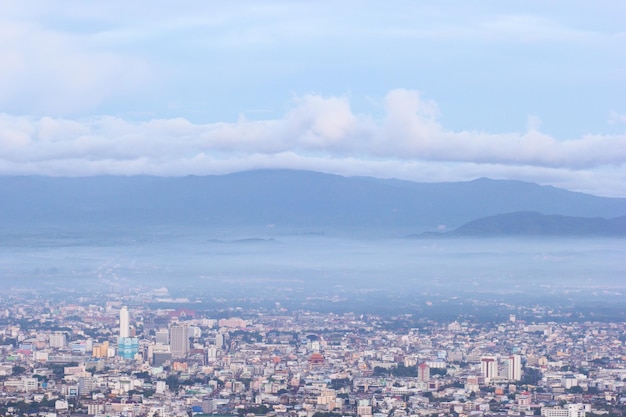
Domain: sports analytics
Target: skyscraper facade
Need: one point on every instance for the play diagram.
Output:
(124, 322)
(127, 347)
(423, 372)
(179, 341)
(58, 340)
(163, 337)
(489, 367)
(515, 368)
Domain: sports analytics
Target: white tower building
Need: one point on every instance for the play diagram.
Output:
(489, 367)
(515, 368)
(124, 322)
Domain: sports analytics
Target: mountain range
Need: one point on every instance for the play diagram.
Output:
(537, 224)
(286, 201)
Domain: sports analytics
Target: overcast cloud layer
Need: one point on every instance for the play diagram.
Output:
(415, 90)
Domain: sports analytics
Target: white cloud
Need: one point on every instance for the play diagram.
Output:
(615, 117)
(55, 72)
(320, 133)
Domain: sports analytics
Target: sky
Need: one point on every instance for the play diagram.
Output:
(420, 90)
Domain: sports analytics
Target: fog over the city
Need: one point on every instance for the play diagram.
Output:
(441, 92)
(290, 208)
(295, 267)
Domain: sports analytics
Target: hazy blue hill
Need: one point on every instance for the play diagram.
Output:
(293, 201)
(536, 224)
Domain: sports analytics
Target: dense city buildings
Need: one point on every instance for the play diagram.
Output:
(133, 356)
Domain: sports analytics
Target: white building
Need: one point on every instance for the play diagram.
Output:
(57, 340)
(124, 322)
(570, 410)
(515, 368)
(489, 367)
(163, 337)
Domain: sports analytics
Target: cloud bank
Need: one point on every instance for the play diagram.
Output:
(319, 133)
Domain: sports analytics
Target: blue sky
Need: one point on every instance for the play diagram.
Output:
(420, 90)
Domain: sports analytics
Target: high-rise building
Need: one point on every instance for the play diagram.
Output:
(515, 368)
(219, 340)
(489, 367)
(100, 350)
(163, 337)
(58, 340)
(159, 354)
(179, 341)
(423, 372)
(127, 346)
(124, 322)
(86, 384)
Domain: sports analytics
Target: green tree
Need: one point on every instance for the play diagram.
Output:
(18, 370)
(531, 376)
(172, 382)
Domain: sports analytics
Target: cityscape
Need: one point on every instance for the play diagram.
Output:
(138, 355)
(296, 208)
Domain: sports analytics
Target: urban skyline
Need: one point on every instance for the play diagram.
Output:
(300, 363)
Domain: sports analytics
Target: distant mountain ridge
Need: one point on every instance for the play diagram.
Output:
(537, 224)
(281, 200)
